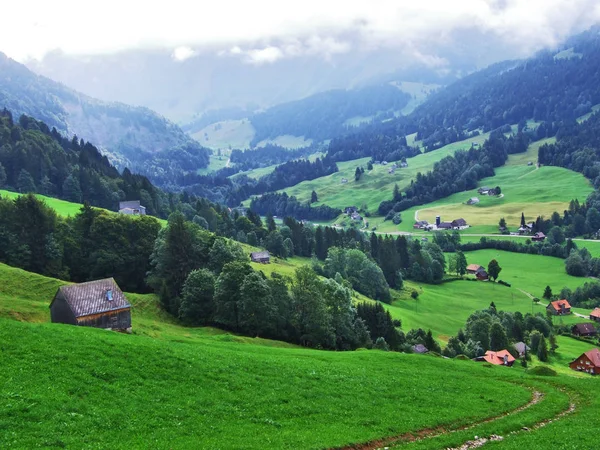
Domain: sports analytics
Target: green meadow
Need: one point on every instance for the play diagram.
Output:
(62, 207)
(375, 185)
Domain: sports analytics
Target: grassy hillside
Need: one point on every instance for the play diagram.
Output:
(187, 387)
(375, 185)
(536, 192)
(226, 134)
(62, 207)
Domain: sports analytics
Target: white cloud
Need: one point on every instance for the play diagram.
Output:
(182, 53)
(268, 30)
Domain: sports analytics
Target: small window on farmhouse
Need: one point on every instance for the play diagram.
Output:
(109, 295)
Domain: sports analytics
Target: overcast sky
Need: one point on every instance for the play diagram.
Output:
(263, 31)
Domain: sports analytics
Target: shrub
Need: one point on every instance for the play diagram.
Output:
(503, 283)
(543, 371)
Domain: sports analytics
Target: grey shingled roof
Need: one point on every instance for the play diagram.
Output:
(90, 298)
(133, 204)
(259, 255)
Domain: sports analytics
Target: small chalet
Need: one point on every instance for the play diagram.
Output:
(521, 348)
(588, 362)
(538, 237)
(459, 224)
(584, 329)
(420, 348)
(595, 315)
(483, 190)
(482, 275)
(260, 257)
(99, 304)
(132, 207)
(559, 308)
(499, 358)
(474, 268)
(473, 201)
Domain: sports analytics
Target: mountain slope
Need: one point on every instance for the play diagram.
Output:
(132, 137)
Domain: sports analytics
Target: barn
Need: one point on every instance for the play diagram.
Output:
(99, 304)
(260, 257)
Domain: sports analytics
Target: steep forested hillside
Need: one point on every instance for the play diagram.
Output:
(551, 87)
(133, 137)
(34, 158)
(324, 115)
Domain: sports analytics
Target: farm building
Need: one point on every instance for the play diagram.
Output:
(132, 207)
(420, 224)
(559, 308)
(595, 315)
(483, 190)
(349, 210)
(521, 348)
(459, 224)
(445, 226)
(499, 358)
(538, 237)
(260, 257)
(588, 362)
(473, 201)
(99, 304)
(344, 180)
(482, 275)
(584, 329)
(403, 164)
(474, 268)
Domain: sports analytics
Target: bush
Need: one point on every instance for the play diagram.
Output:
(462, 358)
(542, 371)
(380, 344)
(503, 283)
(414, 294)
(397, 219)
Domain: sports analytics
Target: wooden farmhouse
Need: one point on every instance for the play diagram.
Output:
(538, 237)
(499, 358)
(260, 257)
(559, 308)
(588, 362)
(595, 315)
(99, 304)
(584, 329)
(473, 268)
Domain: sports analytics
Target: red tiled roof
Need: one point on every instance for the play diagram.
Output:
(595, 313)
(594, 356)
(557, 303)
(497, 358)
(474, 267)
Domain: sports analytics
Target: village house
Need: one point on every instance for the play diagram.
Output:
(559, 308)
(444, 226)
(349, 210)
(420, 224)
(459, 224)
(483, 190)
(403, 164)
(595, 315)
(538, 237)
(355, 216)
(260, 257)
(473, 268)
(584, 329)
(482, 275)
(521, 348)
(473, 201)
(588, 362)
(499, 358)
(99, 304)
(132, 207)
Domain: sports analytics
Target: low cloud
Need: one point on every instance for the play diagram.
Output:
(266, 31)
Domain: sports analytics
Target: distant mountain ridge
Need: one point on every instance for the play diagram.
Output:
(133, 137)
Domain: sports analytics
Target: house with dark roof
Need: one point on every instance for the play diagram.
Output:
(99, 304)
(584, 329)
(595, 315)
(459, 224)
(538, 237)
(559, 308)
(260, 257)
(499, 358)
(445, 226)
(588, 362)
(482, 275)
(133, 207)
